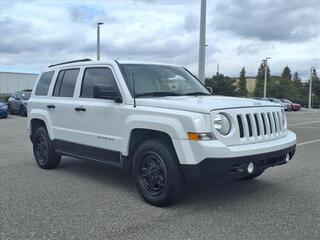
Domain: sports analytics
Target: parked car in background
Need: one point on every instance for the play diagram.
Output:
(257, 98)
(18, 102)
(3, 110)
(294, 106)
(286, 106)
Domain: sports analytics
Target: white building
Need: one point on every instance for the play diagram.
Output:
(11, 82)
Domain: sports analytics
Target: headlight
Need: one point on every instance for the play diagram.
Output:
(222, 123)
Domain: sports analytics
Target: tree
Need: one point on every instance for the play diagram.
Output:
(286, 73)
(280, 87)
(222, 85)
(315, 100)
(242, 83)
(297, 81)
(315, 82)
(296, 77)
(258, 90)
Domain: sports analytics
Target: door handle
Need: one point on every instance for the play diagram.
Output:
(79, 109)
(51, 106)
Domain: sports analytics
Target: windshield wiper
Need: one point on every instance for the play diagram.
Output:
(197, 94)
(157, 94)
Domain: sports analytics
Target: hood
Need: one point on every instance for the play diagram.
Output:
(202, 104)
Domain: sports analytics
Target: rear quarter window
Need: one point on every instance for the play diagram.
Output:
(44, 83)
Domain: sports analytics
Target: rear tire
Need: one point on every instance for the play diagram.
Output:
(43, 150)
(157, 173)
(9, 109)
(253, 176)
(23, 112)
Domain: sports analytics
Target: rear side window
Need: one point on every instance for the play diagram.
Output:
(66, 83)
(44, 83)
(94, 76)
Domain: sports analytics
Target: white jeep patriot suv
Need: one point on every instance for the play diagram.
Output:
(157, 121)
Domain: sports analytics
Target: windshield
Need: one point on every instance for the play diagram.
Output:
(25, 95)
(160, 80)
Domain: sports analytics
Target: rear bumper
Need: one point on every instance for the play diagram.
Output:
(224, 169)
(296, 108)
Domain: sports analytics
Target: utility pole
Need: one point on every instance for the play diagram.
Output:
(202, 42)
(98, 40)
(218, 69)
(265, 76)
(310, 89)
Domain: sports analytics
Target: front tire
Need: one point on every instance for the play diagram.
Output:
(253, 176)
(157, 173)
(43, 149)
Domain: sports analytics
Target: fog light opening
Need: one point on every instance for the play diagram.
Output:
(287, 157)
(250, 167)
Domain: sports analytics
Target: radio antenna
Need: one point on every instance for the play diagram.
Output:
(134, 91)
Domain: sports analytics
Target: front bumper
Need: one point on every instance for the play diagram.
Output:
(193, 152)
(223, 169)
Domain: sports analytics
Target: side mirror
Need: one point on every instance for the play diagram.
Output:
(106, 91)
(210, 89)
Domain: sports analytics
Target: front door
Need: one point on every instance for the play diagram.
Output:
(97, 121)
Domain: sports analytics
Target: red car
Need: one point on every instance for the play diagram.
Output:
(295, 106)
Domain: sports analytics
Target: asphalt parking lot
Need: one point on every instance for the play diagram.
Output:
(85, 200)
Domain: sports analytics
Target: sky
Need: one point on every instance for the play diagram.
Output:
(240, 33)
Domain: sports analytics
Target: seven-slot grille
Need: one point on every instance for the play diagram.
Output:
(260, 125)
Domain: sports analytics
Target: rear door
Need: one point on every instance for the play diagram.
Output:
(61, 108)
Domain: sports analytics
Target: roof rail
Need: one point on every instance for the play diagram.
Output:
(79, 60)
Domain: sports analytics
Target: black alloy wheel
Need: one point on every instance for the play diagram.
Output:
(43, 149)
(157, 172)
(152, 173)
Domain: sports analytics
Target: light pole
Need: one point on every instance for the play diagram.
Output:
(202, 42)
(98, 40)
(265, 76)
(310, 88)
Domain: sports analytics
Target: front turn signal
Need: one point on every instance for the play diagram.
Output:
(200, 136)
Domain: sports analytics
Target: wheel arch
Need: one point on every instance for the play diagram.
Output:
(39, 118)
(140, 135)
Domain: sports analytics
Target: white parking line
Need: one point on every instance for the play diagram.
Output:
(295, 124)
(304, 143)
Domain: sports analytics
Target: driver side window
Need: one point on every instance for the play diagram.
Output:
(96, 76)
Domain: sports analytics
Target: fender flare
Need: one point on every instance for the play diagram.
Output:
(167, 125)
(41, 115)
